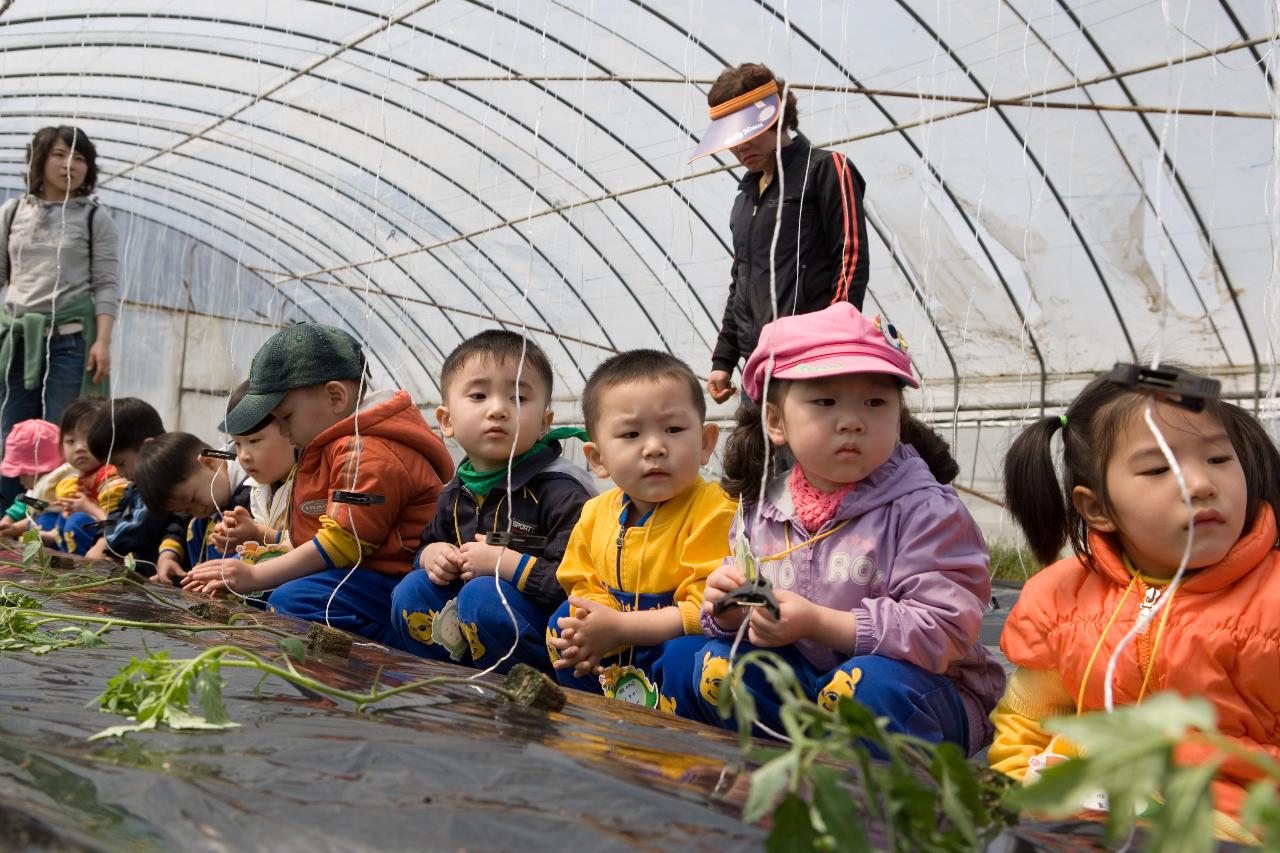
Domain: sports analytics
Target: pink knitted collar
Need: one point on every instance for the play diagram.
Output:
(814, 506)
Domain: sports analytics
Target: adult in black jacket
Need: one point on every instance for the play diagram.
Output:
(821, 252)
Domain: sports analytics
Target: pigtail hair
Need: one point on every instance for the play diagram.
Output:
(931, 446)
(1032, 493)
(744, 453)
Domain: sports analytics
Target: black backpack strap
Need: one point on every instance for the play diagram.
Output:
(93, 210)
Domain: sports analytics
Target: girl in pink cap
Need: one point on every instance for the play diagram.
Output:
(878, 571)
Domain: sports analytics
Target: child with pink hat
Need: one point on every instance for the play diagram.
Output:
(877, 574)
(32, 455)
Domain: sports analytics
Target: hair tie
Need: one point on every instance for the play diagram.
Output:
(1062, 419)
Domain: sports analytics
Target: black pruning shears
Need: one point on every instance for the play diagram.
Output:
(758, 590)
(1173, 384)
(34, 502)
(753, 593)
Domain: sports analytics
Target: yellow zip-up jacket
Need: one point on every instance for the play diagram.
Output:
(682, 542)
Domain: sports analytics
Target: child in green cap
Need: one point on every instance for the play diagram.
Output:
(369, 476)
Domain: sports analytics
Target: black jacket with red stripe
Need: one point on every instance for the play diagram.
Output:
(821, 256)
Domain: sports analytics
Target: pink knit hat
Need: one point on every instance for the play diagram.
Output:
(33, 447)
(836, 340)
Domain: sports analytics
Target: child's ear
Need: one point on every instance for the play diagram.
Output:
(445, 420)
(339, 397)
(594, 460)
(773, 424)
(547, 420)
(1090, 507)
(710, 433)
(209, 462)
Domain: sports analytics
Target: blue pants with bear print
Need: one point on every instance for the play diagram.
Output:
(638, 674)
(483, 621)
(916, 701)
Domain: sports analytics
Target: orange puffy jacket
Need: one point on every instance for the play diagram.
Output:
(1221, 641)
(395, 455)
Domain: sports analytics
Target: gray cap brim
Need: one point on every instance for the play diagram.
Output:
(249, 412)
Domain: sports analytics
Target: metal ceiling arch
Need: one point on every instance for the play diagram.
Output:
(1123, 155)
(1181, 184)
(383, 178)
(300, 102)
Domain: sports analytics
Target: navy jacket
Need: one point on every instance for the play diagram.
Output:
(547, 494)
(131, 528)
(821, 256)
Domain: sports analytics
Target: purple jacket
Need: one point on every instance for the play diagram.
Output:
(911, 563)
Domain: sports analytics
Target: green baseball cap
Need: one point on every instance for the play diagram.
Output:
(295, 357)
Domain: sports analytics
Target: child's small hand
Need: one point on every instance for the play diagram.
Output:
(76, 503)
(96, 552)
(50, 538)
(480, 559)
(235, 528)
(214, 575)
(442, 562)
(590, 632)
(168, 569)
(796, 617)
(720, 583)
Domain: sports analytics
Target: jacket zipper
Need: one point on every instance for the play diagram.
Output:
(622, 536)
(1150, 597)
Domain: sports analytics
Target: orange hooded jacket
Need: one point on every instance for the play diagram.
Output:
(1221, 641)
(395, 455)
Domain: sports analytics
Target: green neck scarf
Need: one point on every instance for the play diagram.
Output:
(480, 483)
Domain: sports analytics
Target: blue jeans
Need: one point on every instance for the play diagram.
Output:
(361, 605)
(64, 372)
(916, 701)
(484, 622)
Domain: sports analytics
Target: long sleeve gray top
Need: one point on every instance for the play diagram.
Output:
(49, 251)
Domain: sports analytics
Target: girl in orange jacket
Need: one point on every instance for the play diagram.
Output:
(1121, 508)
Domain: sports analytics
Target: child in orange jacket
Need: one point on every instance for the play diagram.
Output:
(367, 483)
(1217, 632)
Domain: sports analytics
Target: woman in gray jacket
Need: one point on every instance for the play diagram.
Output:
(58, 275)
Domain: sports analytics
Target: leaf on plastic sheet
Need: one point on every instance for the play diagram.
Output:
(1184, 822)
(792, 830)
(32, 546)
(209, 686)
(182, 720)
(121, 731)
(767, 784)
(90, 639)
(294, 648)
(844, 828)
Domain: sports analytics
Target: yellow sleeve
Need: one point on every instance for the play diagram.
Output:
(704, 550)
(342, 548)
(577, 572)
(67, 487)
(111, 492)
(1031, 696)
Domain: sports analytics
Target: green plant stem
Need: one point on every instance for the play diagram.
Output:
(360, 700)
(154, 626)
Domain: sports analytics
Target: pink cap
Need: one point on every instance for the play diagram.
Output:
(33, 447)
(836, 340)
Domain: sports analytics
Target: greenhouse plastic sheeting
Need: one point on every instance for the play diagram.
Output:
(1051, 186)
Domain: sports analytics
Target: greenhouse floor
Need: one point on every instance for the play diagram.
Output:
(447, 767)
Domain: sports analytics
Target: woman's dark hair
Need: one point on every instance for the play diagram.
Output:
(162, 464)
(79, 412)
(733, 82)
(745, 451)
(38, 154)
(1042, 506)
